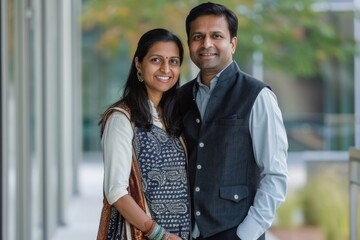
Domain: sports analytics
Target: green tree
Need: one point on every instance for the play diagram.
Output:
(289, 34)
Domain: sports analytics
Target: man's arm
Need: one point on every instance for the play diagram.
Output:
(270, 150)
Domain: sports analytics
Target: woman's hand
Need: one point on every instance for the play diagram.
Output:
(174, 237)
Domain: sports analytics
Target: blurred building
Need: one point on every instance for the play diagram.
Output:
(40, 115)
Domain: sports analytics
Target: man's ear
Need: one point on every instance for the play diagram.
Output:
(233, 43)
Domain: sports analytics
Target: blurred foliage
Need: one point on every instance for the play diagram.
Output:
(127, 20)
(289, 215)
(323, 202)
(291, 36)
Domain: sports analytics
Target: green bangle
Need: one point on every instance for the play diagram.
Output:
(157, 233)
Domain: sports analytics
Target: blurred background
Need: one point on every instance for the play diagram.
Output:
(63, 62)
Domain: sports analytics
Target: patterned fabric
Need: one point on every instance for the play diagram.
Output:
(162, 164)
(158, 183)
(112, 225)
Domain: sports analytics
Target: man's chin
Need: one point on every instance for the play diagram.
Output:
(207, 65)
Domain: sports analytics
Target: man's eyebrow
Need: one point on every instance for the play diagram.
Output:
(217, 31)
(212, 32)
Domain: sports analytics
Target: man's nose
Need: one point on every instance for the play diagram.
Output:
(207, 42)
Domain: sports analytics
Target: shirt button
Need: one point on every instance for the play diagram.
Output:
(198, 166)
(201, 144)
(197, 189)
(236, 197)
(197, 120)
(197, 213)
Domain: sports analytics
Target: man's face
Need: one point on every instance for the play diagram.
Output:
(211, 47)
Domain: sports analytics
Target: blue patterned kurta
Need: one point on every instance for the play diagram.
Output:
(162, 164)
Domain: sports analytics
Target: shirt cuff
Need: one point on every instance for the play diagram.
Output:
(115, 194)
(249, 229)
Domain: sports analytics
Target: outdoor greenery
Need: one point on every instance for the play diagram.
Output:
(322, 202)
(325, 204)
(290, 35)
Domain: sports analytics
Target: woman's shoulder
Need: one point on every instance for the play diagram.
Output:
(123, 107)
(119, 109)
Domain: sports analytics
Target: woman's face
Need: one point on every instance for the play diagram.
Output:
(160, 68)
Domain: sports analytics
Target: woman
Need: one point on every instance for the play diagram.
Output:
(145, 181)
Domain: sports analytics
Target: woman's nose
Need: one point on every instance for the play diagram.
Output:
(165, 67)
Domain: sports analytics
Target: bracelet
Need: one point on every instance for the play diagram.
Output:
(156, 232)
(151, 228)
(166, 236)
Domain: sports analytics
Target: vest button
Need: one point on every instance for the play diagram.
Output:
(197, 120)
(198, 166)
(236, 197)
(197, 189)
(197, 213)
(201, 144)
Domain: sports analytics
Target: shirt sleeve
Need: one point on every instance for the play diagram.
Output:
(270, 150)
(117, 153)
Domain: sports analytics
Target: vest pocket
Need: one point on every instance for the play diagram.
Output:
(234, 193)
(224, 122)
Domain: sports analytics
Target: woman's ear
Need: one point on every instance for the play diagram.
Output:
(137, 63)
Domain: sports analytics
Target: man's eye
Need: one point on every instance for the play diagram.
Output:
(196, 37)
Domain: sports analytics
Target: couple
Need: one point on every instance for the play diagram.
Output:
(232, 175)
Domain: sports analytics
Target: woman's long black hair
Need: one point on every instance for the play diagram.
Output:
(135, 94)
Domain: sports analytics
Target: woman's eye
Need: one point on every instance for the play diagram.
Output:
(174, 62)
(155, 60)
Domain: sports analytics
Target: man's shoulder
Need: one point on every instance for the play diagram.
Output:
(251, 80)
(233, 71)
(187, 87)
(185, 95)
(188, 84)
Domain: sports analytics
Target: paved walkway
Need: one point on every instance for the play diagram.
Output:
(84, 211)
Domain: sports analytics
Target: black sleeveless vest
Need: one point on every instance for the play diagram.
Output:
(222, 170)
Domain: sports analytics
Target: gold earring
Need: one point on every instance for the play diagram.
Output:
(139, 76)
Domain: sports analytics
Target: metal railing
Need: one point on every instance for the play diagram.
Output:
(354, 178)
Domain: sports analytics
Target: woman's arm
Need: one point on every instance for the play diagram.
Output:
(132, 212)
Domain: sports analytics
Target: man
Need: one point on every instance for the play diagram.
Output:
(236, 139)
